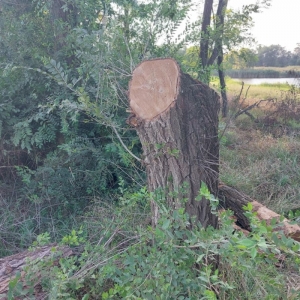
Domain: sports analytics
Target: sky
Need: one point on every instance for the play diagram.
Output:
(279, 24)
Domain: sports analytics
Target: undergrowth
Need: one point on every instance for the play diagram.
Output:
(169, 261)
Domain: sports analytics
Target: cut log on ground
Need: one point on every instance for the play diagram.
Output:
(176, 118)
(235, 200)
(11, 265)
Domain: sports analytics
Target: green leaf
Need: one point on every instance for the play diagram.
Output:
(204, 191)
(159, 233)
(253, 252)
(247, 243)
(210, 295)
(200, 257)
(248, 207)
(166, 224)
(263, 229)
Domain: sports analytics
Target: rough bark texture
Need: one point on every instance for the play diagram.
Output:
(10, 265)
(234, 200)
(176, 118)
(59, 15)
(222, 85)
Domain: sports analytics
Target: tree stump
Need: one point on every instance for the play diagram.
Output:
(176, 118)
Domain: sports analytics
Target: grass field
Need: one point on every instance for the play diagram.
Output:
(263, 91)
(260, 155)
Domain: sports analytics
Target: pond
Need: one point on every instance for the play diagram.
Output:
(257, 81)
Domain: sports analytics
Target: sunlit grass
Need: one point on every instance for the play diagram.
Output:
(262, 91)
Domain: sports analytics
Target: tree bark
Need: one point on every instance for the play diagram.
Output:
(176, 118)
(60, 18)
(217, 51)
(234, 200)
(222, 85)
(204, 74)
(219, 46)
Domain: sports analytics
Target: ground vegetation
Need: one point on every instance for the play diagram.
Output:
(70, 169)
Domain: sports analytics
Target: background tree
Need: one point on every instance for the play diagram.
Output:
(227, 30)
(241, 59)
(273, 56)
(296, 55)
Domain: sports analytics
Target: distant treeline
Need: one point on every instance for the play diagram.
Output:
(277, 56)
(265, 61)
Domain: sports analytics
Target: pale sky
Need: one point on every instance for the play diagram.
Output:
(279, 24)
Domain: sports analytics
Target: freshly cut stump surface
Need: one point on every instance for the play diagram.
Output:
(153, 87)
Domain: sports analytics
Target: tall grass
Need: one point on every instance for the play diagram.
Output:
(262, 157)
(264, 167)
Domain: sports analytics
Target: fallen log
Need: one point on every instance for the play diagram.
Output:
(235, 200)
(10, 266)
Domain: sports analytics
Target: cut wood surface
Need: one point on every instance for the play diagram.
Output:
(176, 118)
(264, 213)
(11, 265)
(153, 88)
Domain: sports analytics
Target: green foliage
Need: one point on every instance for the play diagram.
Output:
(241, 59)
(74, 238)
(269, 58)
(262, 73)
(190, 61)
(205, 193)
(173, 262)
(63, 80)
(42, 240)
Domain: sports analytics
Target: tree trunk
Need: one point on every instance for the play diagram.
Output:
(217, 51)
(235, 200)
(219, 46)
(63, 20)
(222, 84)
(204, 73)
(176, 118)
